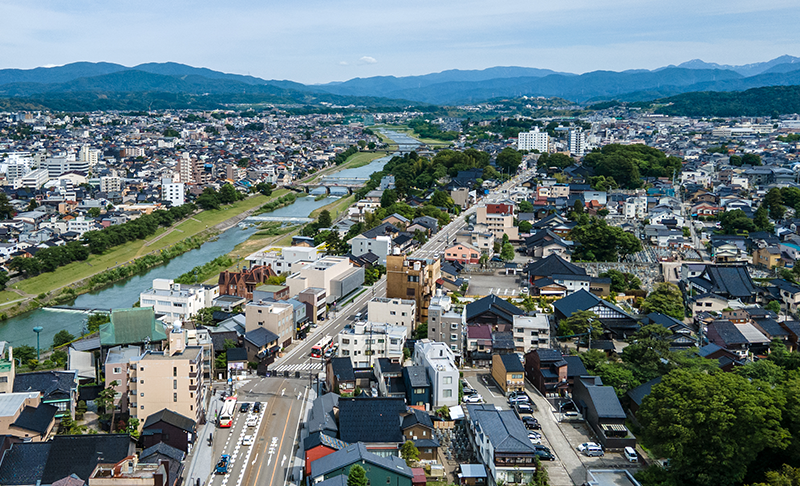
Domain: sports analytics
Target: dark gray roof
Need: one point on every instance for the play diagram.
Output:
(173, 418)
(322, 417)
(417, 376)
(511, 363)
(637, 394)
(163, 449)
(583, 300)
(553, 265)
(236, 354)
(36, 419)
(494, 304)
(734, 281)
(772, 327)
(370, 419)
(728, 332)
(417, 417)
(575, 366)
(388, 367)
(52, 384)
(343, 369)
(340, 480)
(503, 428)
(358, 453)
(260, 337)
(24, 463)
(382, 229)
(606, 402)
(547, 355)
(79, 454)
(503, 341)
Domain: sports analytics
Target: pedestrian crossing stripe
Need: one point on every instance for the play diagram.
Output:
(299, 367)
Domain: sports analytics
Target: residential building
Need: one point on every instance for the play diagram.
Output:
(492, 310)
(508, 372)
(604, 414)
(439, 363)
(418, 386)
(533, 140)
(335, 274)
(551, 372)
(173, 192)
(364, 342)
(318, 445)
(615, 321)
(741, 339)
(463, 253)
(531, 332)
(577, 142)
(171, 428)
(285, 259)
(314, 298)
(388, 470)
(447, 323)
(23, 415)
(57, 388)
(33, 179)
(498, 220)
(244, 282)
(177, 301)
(116, 366)
(381, 246)
(177, 369)
(129, 472)
(398, 312)
(110, 184)
(412, 278)
(276, 317)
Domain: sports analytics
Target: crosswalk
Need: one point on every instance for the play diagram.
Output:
(299, 367)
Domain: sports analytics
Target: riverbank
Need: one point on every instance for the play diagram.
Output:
(411, 133)
(356, 160)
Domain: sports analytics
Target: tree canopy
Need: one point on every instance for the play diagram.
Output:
(603, 243)
(666, 299)
(627, 164)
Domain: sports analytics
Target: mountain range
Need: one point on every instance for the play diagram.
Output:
(108, 81)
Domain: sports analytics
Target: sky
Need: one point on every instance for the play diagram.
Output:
(332, 40)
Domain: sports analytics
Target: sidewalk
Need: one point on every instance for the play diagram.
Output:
(295, 473)
(201, 457)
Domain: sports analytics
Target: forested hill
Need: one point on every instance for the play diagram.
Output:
(766, 101)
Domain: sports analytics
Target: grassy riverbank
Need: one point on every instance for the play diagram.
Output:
(411, 133)
(359, 159)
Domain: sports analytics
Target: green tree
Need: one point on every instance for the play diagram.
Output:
(751, 159)
(6, 210)
(421, 332)
(32, 205)
(508, 160)
(441, 199)
(622, 281)
(603, 243)
(228, 194)
(774, 306)
(774, 202)
(736, 221)
(62, 337)
(735, 160)
(105, 400)
(357, 476)
(525, 207)
(579, 323)
(525, 226)
(787, 476)
(208, 199)
(507, 252)
(711, 426)
(132, 428)
(761, 220)
(409, 452)
(540, 477)
(324, 220)
(93, 212)
(94, 321)
(666, 299)
(388, 198)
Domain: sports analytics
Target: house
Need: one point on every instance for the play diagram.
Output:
(740, 339)
(636, 396)
(463, 253)
(242, 283)
(170, 428)
(318, 445)
(729, 281)
(380, 470)
(163, 452)
(681, 337)
(262, 345)
(324, 410)
(418, 428)
(23, 415)
(615, 321)
(340, 375)
(390, 378)
(374, 421)
(508, 372)
(544, 243)
(531, 332)
(57, 388)
(555, 265)
(726, 359)
(479, 344)
(130, 470)
(367, 341)
(500, 440)
(551, 372)
(418, 386)
(492, 310)
(789, 294)
(707, 302)
(439, 363)
(603, 412)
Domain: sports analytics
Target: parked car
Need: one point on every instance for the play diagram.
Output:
(535, 437)
(531, 422)
(248, 440)
(583, 446)
(594, 451)
(523, 407)
(518, 397)
(476, 398)
(545, 455)
(257, 407)
(469, 391)
(630, 454)
(244, 408)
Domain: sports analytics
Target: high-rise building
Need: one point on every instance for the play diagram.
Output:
(413, 278)
(533, 140)
(173, 192)
(577, 142)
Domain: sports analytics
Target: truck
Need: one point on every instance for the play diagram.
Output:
(222, 465)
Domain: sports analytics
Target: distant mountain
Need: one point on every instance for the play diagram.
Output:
(764, 101)
(58, 74)
(745, 69)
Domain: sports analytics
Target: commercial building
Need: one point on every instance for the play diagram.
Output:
(365, 342)
(398, 312)
(439, 363)
(276, 317)
(533, 140)
(335, 274)
(413, 278)
(177, 301)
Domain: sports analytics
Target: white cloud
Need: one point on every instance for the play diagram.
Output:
(344, 63)
(368, 60)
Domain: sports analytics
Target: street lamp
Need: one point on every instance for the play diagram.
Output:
(37, 330)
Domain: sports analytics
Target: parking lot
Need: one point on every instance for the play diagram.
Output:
(500, 285)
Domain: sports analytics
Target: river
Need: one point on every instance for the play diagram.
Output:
(19, 330)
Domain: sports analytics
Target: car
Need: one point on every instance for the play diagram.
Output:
(469, 390)
(518, 399)
(252, 421)
(222, 465)
(545, 454)
(257, 407)
(244, 408)
(523, 407)
(630, 454)
(531, 422)
(586, 445)
(248, 440)
(476, 398)
(535, 437)
(594, 451)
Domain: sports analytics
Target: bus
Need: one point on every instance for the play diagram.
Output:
(226, 414)
(318, 350)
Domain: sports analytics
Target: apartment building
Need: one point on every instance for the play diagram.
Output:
(110, 184)
(177, 301)
(285, 259)
(381, 246)
(498, 220)
(116, 367)
(276, 317)
(33, 179)
(577, 142)
(335, 274)
(531, 332)
(365, 342)
(173, 192)
(398, 312)
(440, 366)
(171, 379)
(533, 140)
(413, 278)
(447, 323)
(314, 299)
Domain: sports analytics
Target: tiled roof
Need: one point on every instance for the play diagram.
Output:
(24, 463)
(511, 363)
(36, 419)
(641, 391)
(52, 384)
(417, 377)
(503, 428)
(494, 304)
(358, 453)
(370, 419)
(173, 418)
(78, 454)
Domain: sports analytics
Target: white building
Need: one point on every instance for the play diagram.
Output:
(439, 363)
(531, 332)
(381, 246)
(398, 312)
(285, 259)
(533, 140)
(636, 207)
(110, 184)
(90, 156)
(56, 166)
(82, 225)
(365, 342)
(577, 142)
(173, 192)
(33, 179)
(177, 301)
(335, 274)
(447, 323)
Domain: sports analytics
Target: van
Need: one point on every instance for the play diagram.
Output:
(630, 454)
(594, 451)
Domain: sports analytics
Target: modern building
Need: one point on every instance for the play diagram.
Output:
(508, 372)
(577, 142)
(413, 278)
(365, 342)
(447, 323)
(285, 259)
(463, 253)
(335, 274)
(381, 246)
(23, 415)
(110, 184)
(276, 317)
(173, 192)
(533, 140)
(440, 365)
(177, 301)
(531, 332)
(398, 312)
(116, 366)
(604, 414)
(498, 220)
(314, 298)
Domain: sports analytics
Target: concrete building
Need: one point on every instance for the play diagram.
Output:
(285, 259)
(577, 142)
(130, 472)
(177, 301)
(533, 140)
(365, 342)
(116, 367)
(110, 184)
(173, 192)
(380, 246)
(314, 299)
(178, 369)
(55, 166)
(398, 312)
(276, 317)
(498, 221)
(439, 363)
(24, 415)
(447, 323)
(7, 368)
(335, 274)
(33, 179)
(531, 332)
(413, 278)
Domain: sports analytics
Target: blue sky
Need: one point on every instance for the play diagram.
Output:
(321, 41)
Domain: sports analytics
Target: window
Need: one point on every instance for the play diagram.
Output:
(447, 393)
(174, 397)
(345, 352)
(174, 384)
(117, 371)
(404, 314)
(454, 326)
(447, 380)
(454, 337)
(142, 394)
(413, 278)
(345, 341)
(392, 313)
(174, 371)
(410, 292)
(516, 376)
(419, 391)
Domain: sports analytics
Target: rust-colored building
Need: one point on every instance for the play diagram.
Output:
(242, 284)
(412, 278)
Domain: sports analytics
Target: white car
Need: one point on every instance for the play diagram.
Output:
(586, 445)
(252, 421)
(247, 440)
(476, 398)
(535, 438)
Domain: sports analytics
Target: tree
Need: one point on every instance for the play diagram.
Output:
(774, 306)
(264, 188)
(774, 203)
(736, 221)
(62, 337)
(93, 212)
(208, 199)
(6, 210)
(525, 207)
(132, 428)
(94, 321)
(25, 353)
(787, 476)
(357, 476)
(579, 323)
(228, 194)
(409, 452)
(507, 252)
(666, 299)
(622, 282)
(508, 160)
(421, 332)
(761, 220)
(105, 400)
(441, 199)
(388, 198)
(371, 145)
(603, 243)
(711, 426)
(324, 220)
(751, 159)
(32, 205)
(525, 226)
(540, 477)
